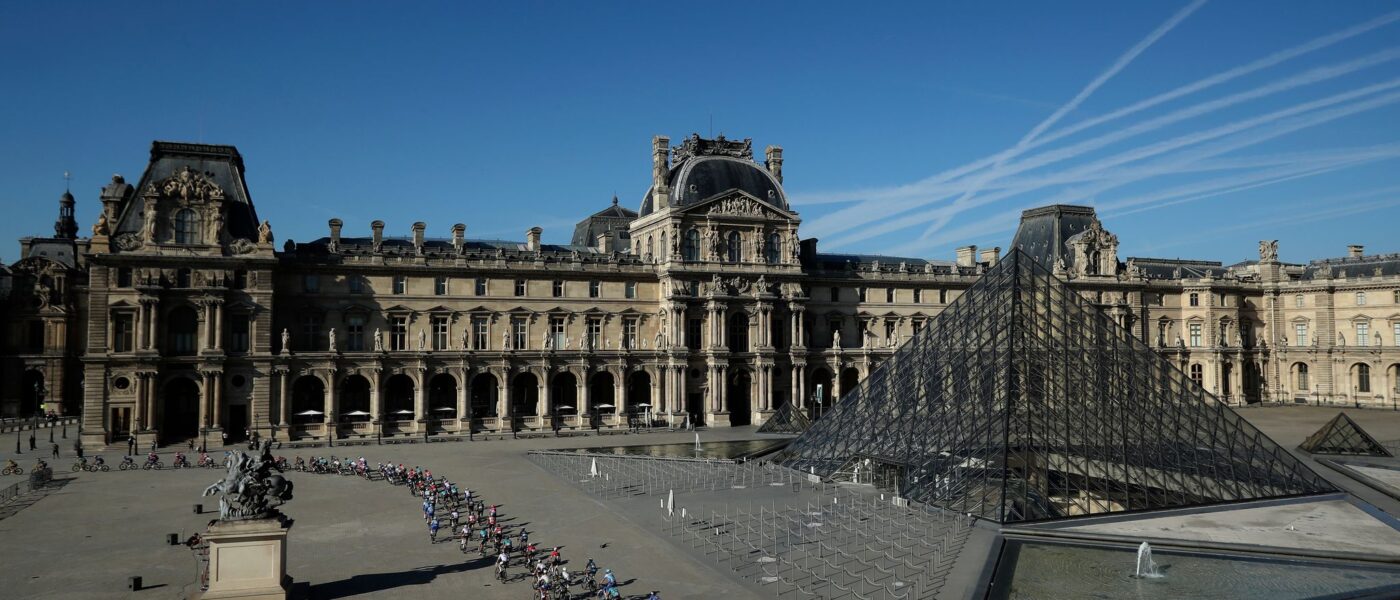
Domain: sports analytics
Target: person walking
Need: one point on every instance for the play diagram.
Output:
(55, 450)
(131, 445)
(78, 448)
(32, 447)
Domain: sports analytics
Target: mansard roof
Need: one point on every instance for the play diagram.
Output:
(223, 167)
(884, 264)
(1044, 231)
(1353, 266)
(614, 218)
(1175, 268)
(703, 168)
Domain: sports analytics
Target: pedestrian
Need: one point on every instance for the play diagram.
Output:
(32, 447)
(55, 450)
(130, 445)
(191, 444)
(78, 448)
(224, 437)
(153, 445)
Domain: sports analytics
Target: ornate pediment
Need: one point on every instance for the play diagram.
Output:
(738, 204)
(698, 146)
(187, 185)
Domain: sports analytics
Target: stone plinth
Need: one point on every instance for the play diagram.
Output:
(248, 559)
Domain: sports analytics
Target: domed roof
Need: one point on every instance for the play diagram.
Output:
(702, 171)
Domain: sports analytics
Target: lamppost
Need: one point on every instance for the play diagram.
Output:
(331, 430)
(203, 440)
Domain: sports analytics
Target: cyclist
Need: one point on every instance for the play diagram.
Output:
(152, 458)
(432, 530)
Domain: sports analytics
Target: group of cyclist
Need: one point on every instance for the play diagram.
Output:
(152, 462)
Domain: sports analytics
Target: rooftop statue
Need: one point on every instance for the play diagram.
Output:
(251, 489)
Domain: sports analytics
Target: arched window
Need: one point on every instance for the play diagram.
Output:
(1302, 376)
(1363, 378)
(1197, 376)
(691, 251)
(733, 247)
(774, 243)
(1093, 267)
(186, 227)
(650, 249)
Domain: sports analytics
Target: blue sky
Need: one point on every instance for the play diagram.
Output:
(1197, 129)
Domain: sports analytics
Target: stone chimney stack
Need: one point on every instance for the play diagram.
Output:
(605, 241)
(967, 256)
(532, 238)
(774, 162)
(660, 171)
(459, 234)
(378, 227)
(418, 229)
(335, 232)
(991, 256)
(1355, 250)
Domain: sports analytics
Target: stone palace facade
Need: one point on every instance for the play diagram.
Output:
(180, 316)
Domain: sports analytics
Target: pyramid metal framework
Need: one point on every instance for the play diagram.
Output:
(1342, 435)
(1023, 402)
(787, 419)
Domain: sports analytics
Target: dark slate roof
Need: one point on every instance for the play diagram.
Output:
(887, 263)
(1043, 231)
(225, 166)
(700, 178)
(61, 251)
(613, 218)
(404, 245)
(1360, 266)
(1174, 268)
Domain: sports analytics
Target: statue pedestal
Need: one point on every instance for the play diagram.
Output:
(248, 560)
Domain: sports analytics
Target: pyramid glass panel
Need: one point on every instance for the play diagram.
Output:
(1342, 435)
(1023, 402)
(787, 419)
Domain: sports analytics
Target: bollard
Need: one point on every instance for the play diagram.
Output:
(199, 509)
(173, 539)
(133, 583)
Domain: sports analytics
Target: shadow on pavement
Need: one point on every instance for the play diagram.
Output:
(374, 582)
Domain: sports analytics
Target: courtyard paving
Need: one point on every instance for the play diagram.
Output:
(354, 538)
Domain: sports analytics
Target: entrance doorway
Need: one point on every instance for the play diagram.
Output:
(180, 414)
(237, 423)
(740, 401)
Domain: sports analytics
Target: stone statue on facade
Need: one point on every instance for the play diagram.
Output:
(286, 341)
(101, 227)
(548, 341)
(330, 340)
(378, 340)
(836, 339)
(505, 340)
(658, 342)
(149, 227)
(464, 340)
(1268, 250)
(252, 488)
(265, 232)
(422, 340)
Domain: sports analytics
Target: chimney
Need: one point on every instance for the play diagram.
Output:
(605, 241)
(335, 232)
(774, 163)
(378, 227)
(991, 256)
(967, 256)
(459, 231)
(418, 236)
(532, 239)
(660, 171)
(1355, 250)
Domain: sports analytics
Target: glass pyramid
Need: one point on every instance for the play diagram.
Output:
(1023, 402)
(787, 419)
(1342, 435)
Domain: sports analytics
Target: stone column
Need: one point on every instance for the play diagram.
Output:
(585, 406)
(206, 393)
(155, 328)
(284, 402)
(217, 414)
(332, 408)
(420, 396)
(219, 326)
(542, 400)
(462, 398)
(619, 399)
(503, 403)
(140, 327)
(376, 396)
(140, 412)
(151, 383)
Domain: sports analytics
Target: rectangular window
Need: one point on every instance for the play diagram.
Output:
(889, 331)
(1195, 299)
(124, 277)
(1395, 296)
(860, 294)
(355, 283)
(918, 295)
(693, 329)
(889, 295)
(481, 286)
(355, 333)
(1300, 334)
(629, 334)
(240, 279)
(558, 288)
(481, 332)
(1363, 334)
(836, 294)
(942, 296)
(122, 332)
(398, 333)
(400, 284)
(1298, 301)
(311, 332)
(440, 333)
(556, 331)
(311, 283)
(238, 333)
(918, 325)
(520, 287)
(520, 331)
(1361, 298)
(595, 333)
(595, 289)
(440, 286)
(631, 290)
(1195, 335)
(1395, 339)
